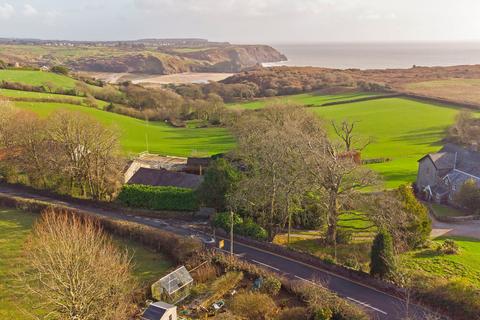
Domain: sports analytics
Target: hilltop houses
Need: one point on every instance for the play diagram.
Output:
(442, 174)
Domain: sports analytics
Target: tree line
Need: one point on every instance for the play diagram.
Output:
(287, 172)
(67, 152)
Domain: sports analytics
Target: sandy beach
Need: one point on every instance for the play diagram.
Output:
(187, 77)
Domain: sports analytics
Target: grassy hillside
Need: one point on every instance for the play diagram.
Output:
(17, 94)
(461, 90)
(162, 138)
(14, 229)
(310, 99)
(464, 265)
(401, 129)
(37, 78)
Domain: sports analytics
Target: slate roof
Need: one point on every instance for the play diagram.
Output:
(165, 178)
(442, 160)
(456, 157)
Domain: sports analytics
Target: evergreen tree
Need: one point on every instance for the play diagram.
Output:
(220, 179)
(382, 262)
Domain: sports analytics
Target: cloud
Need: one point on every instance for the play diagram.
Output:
(29, 10)
(6, 11)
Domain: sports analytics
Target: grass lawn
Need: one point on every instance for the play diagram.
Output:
(465, 264)
(447, 211)
(50, 96)
(162, 138)
(310, 99)
(37, 78)
(403, 130)
(355, 254)
(14, 229)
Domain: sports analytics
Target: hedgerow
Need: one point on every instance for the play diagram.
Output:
(158, 198)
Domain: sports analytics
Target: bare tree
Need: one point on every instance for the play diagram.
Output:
(336, 176)
(346, 132)
(274, 181)
(89, 153)
(76, 271)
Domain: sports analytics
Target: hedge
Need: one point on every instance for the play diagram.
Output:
(158, 198)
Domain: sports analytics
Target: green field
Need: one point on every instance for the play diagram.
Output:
(37, 78)
(309, 99)
(49, 96)
(403, 130)
(162, 138)
(14, 229)
(464, 265)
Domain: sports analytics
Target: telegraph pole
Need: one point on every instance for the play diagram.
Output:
(231, 233)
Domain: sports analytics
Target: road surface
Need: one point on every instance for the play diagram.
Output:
(380, 305)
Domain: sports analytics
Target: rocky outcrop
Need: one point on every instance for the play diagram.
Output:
(219, 59)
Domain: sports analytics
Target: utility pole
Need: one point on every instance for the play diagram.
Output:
(231, 233)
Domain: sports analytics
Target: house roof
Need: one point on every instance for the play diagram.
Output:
(162, 177)
(452, 156)
(156, 310)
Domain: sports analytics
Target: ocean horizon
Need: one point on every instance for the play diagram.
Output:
(379, 55)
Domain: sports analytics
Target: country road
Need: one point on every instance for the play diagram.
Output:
(380, 305)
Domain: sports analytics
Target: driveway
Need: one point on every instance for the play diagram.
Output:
(469, 229)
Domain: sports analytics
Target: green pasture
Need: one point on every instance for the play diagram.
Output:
(37, 78)
(48, 96)
(15, 227)
(308, 99)
(402, 130)
(161, 137)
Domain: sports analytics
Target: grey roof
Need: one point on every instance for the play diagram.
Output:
(156, 310)
(468, 161)
(175, 280)
(458, 178)
(162, 177)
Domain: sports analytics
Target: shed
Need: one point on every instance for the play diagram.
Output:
(197, 165)
(165, 178)
(174, 287)
(160, 311)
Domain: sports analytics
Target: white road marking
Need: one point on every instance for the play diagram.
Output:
(265, 265)
(367, 305)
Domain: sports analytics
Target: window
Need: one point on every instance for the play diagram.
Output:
(170, 317)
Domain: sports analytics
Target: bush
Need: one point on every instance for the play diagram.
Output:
(221, 286)
(448, 247)
(344, 236)
(241, 227)
(254, 306)
(469, 196)
(60, 70)
(158, 198)
(271, 286)
(250, 229)
(297, 313)
(323, 314)
(382, 259)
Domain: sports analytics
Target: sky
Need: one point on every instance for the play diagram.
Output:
(243, 21)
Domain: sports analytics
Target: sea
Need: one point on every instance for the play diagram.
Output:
(379, 55)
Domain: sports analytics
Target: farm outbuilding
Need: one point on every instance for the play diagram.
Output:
(160, 311)
(174, 287)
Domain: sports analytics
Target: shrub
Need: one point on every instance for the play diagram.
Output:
(448, 247)
(469, 196)
(254, 306)
(158, 198)
(420, 226)
(323, 314)
(382, 259)
(344, 236)
(60, 70)
(271, 286)
(241, 227)
(250, 229)
(297, 313)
